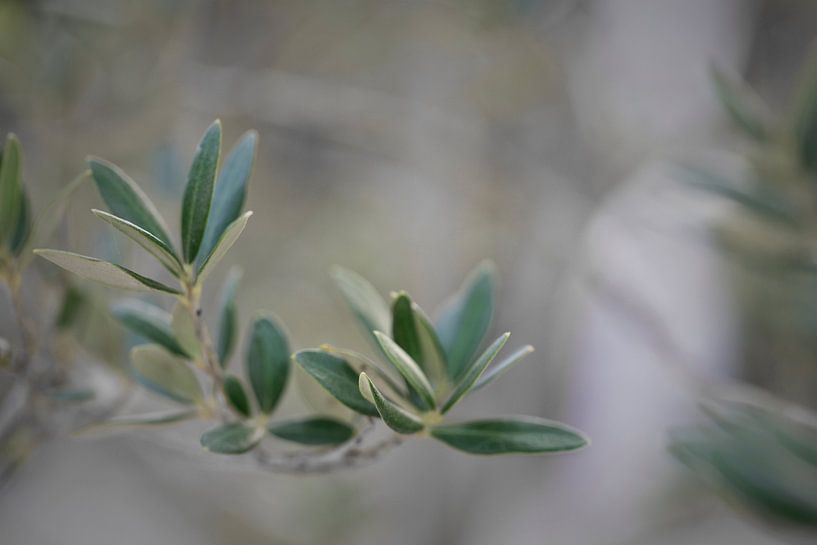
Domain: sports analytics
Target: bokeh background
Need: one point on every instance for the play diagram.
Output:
(407, 140)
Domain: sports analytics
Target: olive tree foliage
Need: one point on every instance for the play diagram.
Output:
(755, 450)
(425, 367)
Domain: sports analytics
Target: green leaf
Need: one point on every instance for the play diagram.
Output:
(366, 303)
(226, 242)
(507, 436)
(228, 322)
(395, 417)
(315, 431)
(150, 322)
(199, 191)
(126, 200)
(108, 274)
(161, 251)
(11, 188)
(165, 373)
(805, 117)
(230, 192)
(231, 438)
(184, 330)
(74, 301)
(746, 110)
(475, 372)
(759, 198)
(464, 320)
(22, 231)
(404, 328)
(337, 377)
(236, 395)
(149, 419)
(502, 367)
(407, 367)
(267, 362)
(434, 364)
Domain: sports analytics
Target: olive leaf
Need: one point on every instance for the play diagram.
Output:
(22, 231)
(228, 321)
(407, 367)
(509, 435)
(224, 244)
(337, 377)
(464, 320)
(474, 372)
(315, 431)
(267, 362)
(395, 417)
(236, 395)
(150, 322)
(230, 192)
(744, 107)
(232, 438)
(11, 189)
(184, 330)
(502, 367)
(108, 274)
(367, 304)
(161, 251)
(126, 200)
(165, 373)
(199, 191)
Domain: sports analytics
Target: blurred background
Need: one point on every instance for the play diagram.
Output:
(407, 140)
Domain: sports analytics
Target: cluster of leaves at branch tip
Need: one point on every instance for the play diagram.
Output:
(424, 370)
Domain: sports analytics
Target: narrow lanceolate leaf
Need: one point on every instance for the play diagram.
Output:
(404, 328)
(199, 191)
(148, 419)
(407, 367)
(230, 192)
(502, 367)
(367, 304)
(475, 372)
(805, 118)
(11, 188)
(109, 274)
(337, 377)
(267, 362)
(744, 107)
(146, 240)
(236, 395)
(433, 364)
(224, 244)
(150, 322)
(315, 431)
(231, 438)
(395, 417)
(184, 330)
(126, 200)
(228, 320)
(509, 436)
(464, 320)
(22, 231)
(165, 373)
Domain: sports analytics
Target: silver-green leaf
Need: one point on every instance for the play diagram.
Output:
(232, 438)
(236, 395)
(502, 367)
(126, 200)
(510, 436)
(474, 372)
(198, 194)
(267, 361)
(11, 189)
(161, 251)
(150, 322)
(407, 367)
(230, 192)
(367, 304)
(228, 320)
(108, 274)
(395, 417)
(464, 320)
(165, 373)
(314, 431)
(337, 377)
(224, 244)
